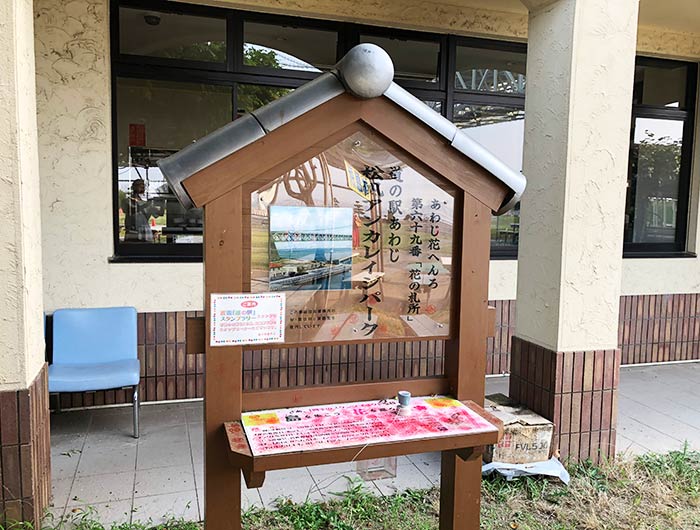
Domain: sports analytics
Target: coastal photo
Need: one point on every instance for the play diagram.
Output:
(310, 248)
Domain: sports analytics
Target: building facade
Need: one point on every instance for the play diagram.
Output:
(594, 100)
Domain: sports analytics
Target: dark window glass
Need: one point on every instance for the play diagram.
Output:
(148, 129)
(251, 97)
(653, 186)
(288, 47)
(435, 105)
(171, 35)
(484, 70)
(501, 131)
(663, 84)
(414, 60)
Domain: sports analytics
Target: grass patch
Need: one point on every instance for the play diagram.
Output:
(649, 492)
(88, 520)
(654, 492)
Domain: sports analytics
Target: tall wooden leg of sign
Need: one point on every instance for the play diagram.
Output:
(222, 506)
(223, 365)
(465, 364)
(222, 487)
(460, 492)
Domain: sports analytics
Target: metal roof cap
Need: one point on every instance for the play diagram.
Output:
(420, 110)
(366, 71)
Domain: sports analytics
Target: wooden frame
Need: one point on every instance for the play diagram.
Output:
(224, 188)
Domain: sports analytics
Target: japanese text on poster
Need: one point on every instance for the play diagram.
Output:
(238, 319)
(358, 424)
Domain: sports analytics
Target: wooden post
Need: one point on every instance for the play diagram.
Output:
(465, 358)
(224, 238)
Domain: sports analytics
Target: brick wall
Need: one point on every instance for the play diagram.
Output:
(167, 372)
(25, 453)
(652, 328)
(576, 390)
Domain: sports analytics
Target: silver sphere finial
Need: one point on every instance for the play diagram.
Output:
(366, 71)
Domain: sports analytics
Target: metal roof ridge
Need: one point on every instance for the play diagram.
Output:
(515, 181)
(366, 72)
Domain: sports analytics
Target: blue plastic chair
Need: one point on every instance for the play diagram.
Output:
(95, 349)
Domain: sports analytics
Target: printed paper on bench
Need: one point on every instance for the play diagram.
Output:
(357, 424)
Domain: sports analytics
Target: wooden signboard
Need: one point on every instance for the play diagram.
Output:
(406, 260)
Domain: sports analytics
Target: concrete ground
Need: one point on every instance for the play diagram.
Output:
(96, 464)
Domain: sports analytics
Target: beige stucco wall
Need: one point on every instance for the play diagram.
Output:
(485, 18)
(73, 99)
(21, 316)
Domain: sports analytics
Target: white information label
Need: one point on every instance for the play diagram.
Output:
(238, 319)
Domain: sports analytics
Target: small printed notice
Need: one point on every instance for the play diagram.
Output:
(238, 319)
(357, 424)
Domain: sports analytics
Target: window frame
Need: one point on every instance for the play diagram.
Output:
(233, 72)
(356, 31)
(687, 115)
(279, 20)
(454, 96)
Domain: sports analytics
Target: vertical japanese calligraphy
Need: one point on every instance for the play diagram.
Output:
(416, 242)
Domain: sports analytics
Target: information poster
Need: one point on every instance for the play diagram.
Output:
(361, 243)
(239, 319)
(357, 424)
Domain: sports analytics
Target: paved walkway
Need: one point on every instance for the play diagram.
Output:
(659, 408)
(96, 463)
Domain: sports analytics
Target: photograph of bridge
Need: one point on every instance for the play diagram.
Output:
(310, 248)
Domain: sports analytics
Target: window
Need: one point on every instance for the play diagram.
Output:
(147, 213)
(658, 184)
(288, 47)
(489, 106)
(490, 70)
(501, 130)
(176, 36)
(183, 71)
(661, 84)
(415, 61)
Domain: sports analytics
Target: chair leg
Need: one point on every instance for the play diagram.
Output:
(136, 411)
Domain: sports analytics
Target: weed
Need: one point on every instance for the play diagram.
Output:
(654, 491)
(680, 468)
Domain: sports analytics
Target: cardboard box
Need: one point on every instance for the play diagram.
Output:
(527, 437)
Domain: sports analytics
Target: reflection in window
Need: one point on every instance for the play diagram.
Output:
(414, 60)
(661, 85)
(484, 70)
(435, 105)
(288, 48)
(652, 189)
(147, 131)
(252, 97)
(171, 35)
(501, 130)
